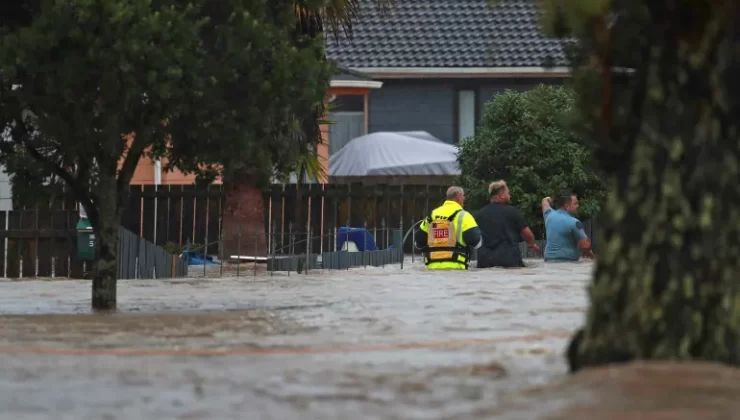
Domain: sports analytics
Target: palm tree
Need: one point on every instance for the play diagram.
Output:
(337, 17)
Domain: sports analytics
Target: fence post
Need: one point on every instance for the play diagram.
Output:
(413, 243)
(321, 227)
(271, 251)
(384, 231)
(400, 249)
(364, 247)
(290, 247)
(309, 237)
(238, 249)
(205, 253)
(346, 234)
(256, 246)
(221, 252)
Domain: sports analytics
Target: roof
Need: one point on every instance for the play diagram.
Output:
(447, 34)
(343, 73)
(348, 78)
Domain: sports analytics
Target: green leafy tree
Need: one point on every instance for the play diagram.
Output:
(244, 186)
(88, 87)
(658, 90)
(255, 121)
(526, 139)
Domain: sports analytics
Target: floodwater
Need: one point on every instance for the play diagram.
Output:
(375, 343)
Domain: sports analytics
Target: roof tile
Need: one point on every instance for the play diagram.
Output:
(448, 33)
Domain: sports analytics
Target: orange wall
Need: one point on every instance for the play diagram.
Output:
(144, 174)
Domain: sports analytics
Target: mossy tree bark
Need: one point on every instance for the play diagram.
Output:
(668, 268)
(106, 224)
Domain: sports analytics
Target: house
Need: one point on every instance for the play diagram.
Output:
(440, 61)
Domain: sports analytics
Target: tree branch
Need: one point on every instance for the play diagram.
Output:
(79, 191)
(133, 155)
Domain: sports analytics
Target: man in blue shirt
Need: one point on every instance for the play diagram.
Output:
(566, 239)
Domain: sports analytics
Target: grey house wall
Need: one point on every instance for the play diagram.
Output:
(431, 104)
(411, 105)
(6, 197)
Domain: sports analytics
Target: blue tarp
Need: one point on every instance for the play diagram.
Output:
(360, 236)
(196, 259)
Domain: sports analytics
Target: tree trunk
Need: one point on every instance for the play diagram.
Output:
(668, 271)
(244, 230)
(106, 228)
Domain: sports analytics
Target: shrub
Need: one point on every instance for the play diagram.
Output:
(526, 139)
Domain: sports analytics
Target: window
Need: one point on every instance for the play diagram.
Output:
(465, 114)
(348, 121)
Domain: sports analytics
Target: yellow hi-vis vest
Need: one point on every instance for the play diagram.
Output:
(443, 243)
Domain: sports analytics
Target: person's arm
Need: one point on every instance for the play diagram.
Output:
(471, 234)
(420, 235)
(524, 231)
(546, 206)
(473, 238)
(583, 242)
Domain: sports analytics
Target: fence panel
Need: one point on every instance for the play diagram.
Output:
(42, 243)
(62, 242)
(176, 214)
(127, 254)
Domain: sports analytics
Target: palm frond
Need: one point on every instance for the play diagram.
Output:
(335, 16)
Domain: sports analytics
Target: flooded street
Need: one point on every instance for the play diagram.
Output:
(366, 343)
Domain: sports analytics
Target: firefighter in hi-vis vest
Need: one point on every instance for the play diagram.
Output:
(449, 234)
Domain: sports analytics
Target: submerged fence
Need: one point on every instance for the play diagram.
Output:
(303, 231)
(36, 243)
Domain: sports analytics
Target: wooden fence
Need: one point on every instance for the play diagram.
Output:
(141, 259)
(178, 214)
(38, 244)
(42, 243)
(174, 215)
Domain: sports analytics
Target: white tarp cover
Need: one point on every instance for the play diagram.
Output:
(396, 154)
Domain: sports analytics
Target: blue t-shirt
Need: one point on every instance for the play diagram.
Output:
(563, 233)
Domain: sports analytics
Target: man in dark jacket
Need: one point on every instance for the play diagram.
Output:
(502, 228)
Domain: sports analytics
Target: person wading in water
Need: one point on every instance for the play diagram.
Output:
(566, 239)
(502, 227)
(449, 234)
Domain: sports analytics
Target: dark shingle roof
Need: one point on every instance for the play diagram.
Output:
(344, 73)
(448, 33)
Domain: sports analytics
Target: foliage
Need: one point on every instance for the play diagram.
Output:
(31, 184)
(88, 87)
(249, 118)
(313, 19)
(525, 138)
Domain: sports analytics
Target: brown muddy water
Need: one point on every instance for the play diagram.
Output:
(376, 343)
